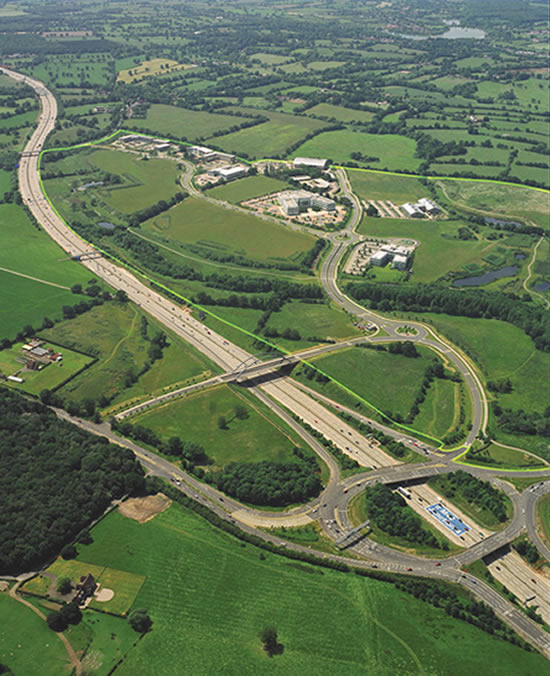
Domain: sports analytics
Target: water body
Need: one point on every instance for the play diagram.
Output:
(519, 256)
(106, 225)
(542, 286)
(488, 277)
(453, 33)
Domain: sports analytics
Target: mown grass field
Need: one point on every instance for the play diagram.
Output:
(398, 189)
(25, 249)
(394, 152)
(224, 594)
(497, 457)
(543, 512)
(126, 587)
(176, 122)
(25, 301)
(247, 188)
(224, 230)
(439, 251)
(145, 181)
(49, 377)
(388, 381)
(27, 646)
(195, 418)
(268, 139)
(112, 333)
(508, 202)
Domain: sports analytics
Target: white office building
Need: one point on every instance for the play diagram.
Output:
(380, 258)
(399, 262)
(310, 162)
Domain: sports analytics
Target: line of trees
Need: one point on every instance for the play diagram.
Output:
(464, 303)
(475, 491)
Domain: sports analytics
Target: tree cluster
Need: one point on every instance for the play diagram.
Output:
(477, 492)
(51, 490)
(389, 512)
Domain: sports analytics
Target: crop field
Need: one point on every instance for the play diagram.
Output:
(268, 139)
(196, 417)
(392, 151)
(437, 253)
(340, 113)
(226, 231)
(247, 188)
(398, 189)
(224, 594)
(180, 123)
(33, 648)
(388, 381)
(151, 68)
(312, 320)
(112, 332)
(49, 377)
(145, 182)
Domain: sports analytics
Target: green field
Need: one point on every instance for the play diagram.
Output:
(439, 412)
(440, 251)
(340, 113)
(224, 594)
(50, 377)
(25, 301)
(388, 381)
(150, 68)
(501, 201)
(227, 231)
(27, 646)
(398, 189)
(112, 333)
(195, 418)
(502, 351)
(394, 152)
(145, 182)
(269, 139)
(496, 457)
(180, 123)
(311, 320)
(247, 188)
(543, 512)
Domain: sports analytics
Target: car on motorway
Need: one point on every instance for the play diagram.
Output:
(409, 570)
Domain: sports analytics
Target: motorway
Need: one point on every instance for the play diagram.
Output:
(283, 396)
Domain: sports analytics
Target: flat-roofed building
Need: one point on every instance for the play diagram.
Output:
(380, 258)
(428, 206)
(323, 203)
(289, 205)
(231, 172)
(399, 262)
(310, 162)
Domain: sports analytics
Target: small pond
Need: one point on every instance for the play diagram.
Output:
(480, 280)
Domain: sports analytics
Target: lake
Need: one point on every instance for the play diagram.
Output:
(480, 280)
(453, 33)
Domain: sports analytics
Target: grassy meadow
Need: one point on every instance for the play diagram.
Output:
(227, 231)
(225, 592)
(195, 418)
(247, 189)
(398, 189)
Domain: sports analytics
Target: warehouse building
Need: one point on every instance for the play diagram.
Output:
(412, 211)
(310, 162)
(428, 206)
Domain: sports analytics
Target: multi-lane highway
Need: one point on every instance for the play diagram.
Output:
(284, 398)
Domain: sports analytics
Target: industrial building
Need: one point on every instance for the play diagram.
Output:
(412, 211)
(209, 155)
(294, 201)
(310, 162)
(229, 172)
(421, 208)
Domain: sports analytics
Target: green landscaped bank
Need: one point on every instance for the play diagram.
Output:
(225, 592)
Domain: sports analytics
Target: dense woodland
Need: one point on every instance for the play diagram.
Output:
(55, 479)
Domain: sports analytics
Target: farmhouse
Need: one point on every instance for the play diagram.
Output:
(85, 588)
(310, 162)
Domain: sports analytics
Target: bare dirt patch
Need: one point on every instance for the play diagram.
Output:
(103, 595)
(145, 509)
(4, 586)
